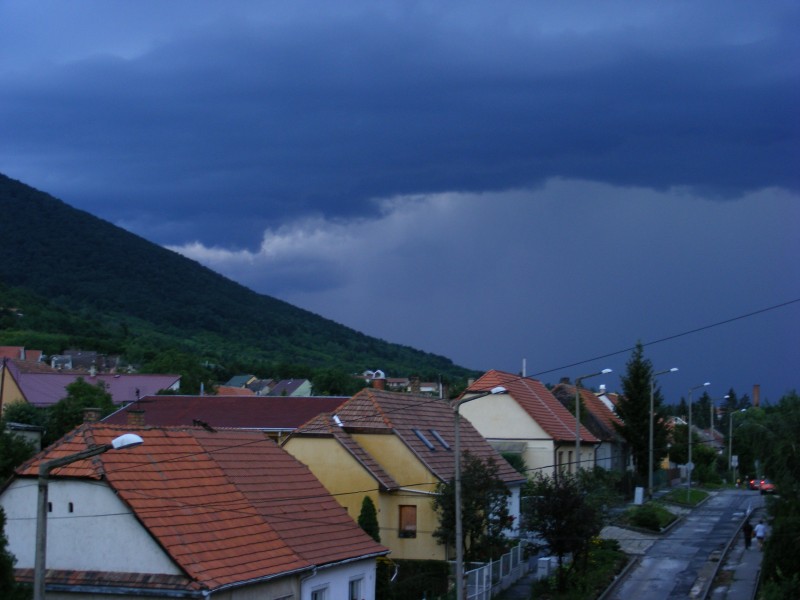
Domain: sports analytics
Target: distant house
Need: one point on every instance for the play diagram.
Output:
(599, 417)
(190, 514)
(291, 387)
(276, 416)
(40, 385)
(394, 448)
(267, 387)
(529, 421)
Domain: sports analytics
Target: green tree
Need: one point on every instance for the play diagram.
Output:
(9, 588)
(14, 450)
(485, 514)
(368, 519)
(559, 509)
(68, 413)
(194, 375)
(633, 407)
(335, 382)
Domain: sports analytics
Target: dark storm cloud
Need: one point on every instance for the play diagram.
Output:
(243, 120)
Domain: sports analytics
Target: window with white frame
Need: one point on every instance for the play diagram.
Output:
(319, 594)
(356, 586)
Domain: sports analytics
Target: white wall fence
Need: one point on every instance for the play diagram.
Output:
(491, 578)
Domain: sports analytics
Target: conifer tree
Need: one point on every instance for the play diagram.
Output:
(633, 407)
(368, 519)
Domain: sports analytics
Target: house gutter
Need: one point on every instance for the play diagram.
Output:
(420, 492)
(124, 591)
(313, 569)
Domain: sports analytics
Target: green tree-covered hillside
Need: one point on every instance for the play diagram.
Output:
(81, 281)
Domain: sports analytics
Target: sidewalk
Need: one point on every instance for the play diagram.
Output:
(738, 577)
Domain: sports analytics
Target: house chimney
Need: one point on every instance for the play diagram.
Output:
(136, 417)
(414, 384)
(756, 395)
(91, 415)
(379, 380)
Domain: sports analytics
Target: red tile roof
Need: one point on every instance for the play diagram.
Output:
(594, 405)
(241, 412)
(379, 411)
(538, 402)
(229, 507)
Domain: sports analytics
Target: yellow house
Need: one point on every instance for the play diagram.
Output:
(394, 448)
(528, 420)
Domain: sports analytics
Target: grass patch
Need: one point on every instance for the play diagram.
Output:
(650, 515)
(679, 497)
(605, 561)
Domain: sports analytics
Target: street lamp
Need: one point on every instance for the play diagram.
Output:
(650, 447)
(127, 440)
(457, 451)
(578, 414)
(689, 465)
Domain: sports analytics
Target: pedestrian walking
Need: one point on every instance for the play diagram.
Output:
(761, 533)
(747, 529)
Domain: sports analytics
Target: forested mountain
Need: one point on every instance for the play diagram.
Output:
(80, 281)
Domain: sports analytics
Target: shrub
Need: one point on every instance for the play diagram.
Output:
(646, 516)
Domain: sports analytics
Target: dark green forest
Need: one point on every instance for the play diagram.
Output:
(69, 279)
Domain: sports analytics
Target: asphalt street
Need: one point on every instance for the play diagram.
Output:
(681, 563)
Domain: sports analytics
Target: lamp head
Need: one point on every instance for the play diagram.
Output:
(606, 371)
(498, 390)
(126, 440)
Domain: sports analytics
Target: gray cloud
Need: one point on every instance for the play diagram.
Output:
(282, 111)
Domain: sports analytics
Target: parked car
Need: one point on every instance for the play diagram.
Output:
(753, 484)
(766, 487)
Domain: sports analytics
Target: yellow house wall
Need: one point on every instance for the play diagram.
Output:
(407, 470)
(501, 419)
(9, 391)
(337, 470)
(341, 475)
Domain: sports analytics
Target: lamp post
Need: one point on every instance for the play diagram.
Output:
(650, 445)
(457, 451)
(578, 414)
(127, 440)
(689, 465)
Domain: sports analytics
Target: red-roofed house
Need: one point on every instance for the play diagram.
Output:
(394, 448)
(529, 421)
(41, 385)
(597, 414)
(189, 514)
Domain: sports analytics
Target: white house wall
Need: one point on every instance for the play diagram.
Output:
(336, 580)
(100, 533)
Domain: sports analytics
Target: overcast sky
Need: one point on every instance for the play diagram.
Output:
(503, 183)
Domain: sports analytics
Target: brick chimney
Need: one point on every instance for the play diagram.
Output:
(756, 395)
(91, 415)
(414, 384)
(135, 417)
(379, 380)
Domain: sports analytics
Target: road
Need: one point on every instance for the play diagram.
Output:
(681, 563)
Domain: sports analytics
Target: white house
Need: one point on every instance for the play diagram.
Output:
(191, 513)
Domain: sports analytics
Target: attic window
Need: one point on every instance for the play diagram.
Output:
(440, 439)
(423, 439)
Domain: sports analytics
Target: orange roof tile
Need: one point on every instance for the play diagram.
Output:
(596, 406)
(227, 506)
(538, 402)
